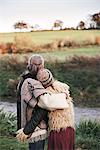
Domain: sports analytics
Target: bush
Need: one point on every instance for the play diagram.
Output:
(8, 127)
(97, 40)
(87, 135)
(10, 69)
(7, 123)
(88, 129)
(24, 44)
(80, 73)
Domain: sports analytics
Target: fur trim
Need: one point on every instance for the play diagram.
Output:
(61, 118)
(37, 135)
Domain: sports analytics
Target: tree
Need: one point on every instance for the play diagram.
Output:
(36, 27)
(58, 24)
(81, 25)
(95, 18)
(20, 25)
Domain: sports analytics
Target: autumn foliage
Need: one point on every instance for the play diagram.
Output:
(24, 44)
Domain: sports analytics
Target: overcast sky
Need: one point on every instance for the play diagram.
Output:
(45, 12)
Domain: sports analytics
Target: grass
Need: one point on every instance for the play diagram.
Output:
(7, 130)
(80, 73)
(8, 123)
(87, 135)
(48, 36)
(62, 54)
(68, 53)
(10, 143)
(47, 41)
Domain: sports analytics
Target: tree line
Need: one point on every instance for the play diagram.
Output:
(94, 23)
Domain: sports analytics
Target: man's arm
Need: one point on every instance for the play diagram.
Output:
(29, 94)
(37, 116)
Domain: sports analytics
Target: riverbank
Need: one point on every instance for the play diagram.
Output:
(81, 114)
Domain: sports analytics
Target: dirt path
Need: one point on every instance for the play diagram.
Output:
(80, 113)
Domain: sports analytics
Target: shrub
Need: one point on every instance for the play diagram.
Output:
(97, 40)
(10, 69)
(7, 123)
(60, 43)
(22, 41)
(24, 44)
(88, 128)
(84, 61)
(80, 73)
(8, 127)
(3, 48)
(89, 41)
(87, 135)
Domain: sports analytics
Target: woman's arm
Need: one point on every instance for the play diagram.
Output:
(53, 101)
(33, 89)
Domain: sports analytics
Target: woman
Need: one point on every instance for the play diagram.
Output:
(61, 122)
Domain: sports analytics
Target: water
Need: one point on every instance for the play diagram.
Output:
(80, 113)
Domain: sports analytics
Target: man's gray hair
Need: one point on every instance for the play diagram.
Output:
(36, 59)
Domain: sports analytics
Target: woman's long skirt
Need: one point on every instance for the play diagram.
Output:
(62, 140)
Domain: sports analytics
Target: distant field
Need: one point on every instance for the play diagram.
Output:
(48, 36)
(64, 53)
(68, 53)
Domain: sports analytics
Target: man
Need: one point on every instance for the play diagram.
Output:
(35, 63)
(29, 91)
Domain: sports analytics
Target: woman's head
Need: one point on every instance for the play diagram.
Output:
(45, 77)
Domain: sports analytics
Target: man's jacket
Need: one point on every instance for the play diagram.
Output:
(23, 76)
(30, 91)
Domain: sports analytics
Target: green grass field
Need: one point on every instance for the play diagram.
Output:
(48, 36)
(62, 54)
(68, 53)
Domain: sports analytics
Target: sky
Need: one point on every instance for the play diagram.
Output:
(45, 12)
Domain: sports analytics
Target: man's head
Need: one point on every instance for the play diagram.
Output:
(35, 63)
(45, 77)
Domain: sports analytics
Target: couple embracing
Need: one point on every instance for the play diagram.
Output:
(46, 109)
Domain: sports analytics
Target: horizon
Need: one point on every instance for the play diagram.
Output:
(45, 12)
